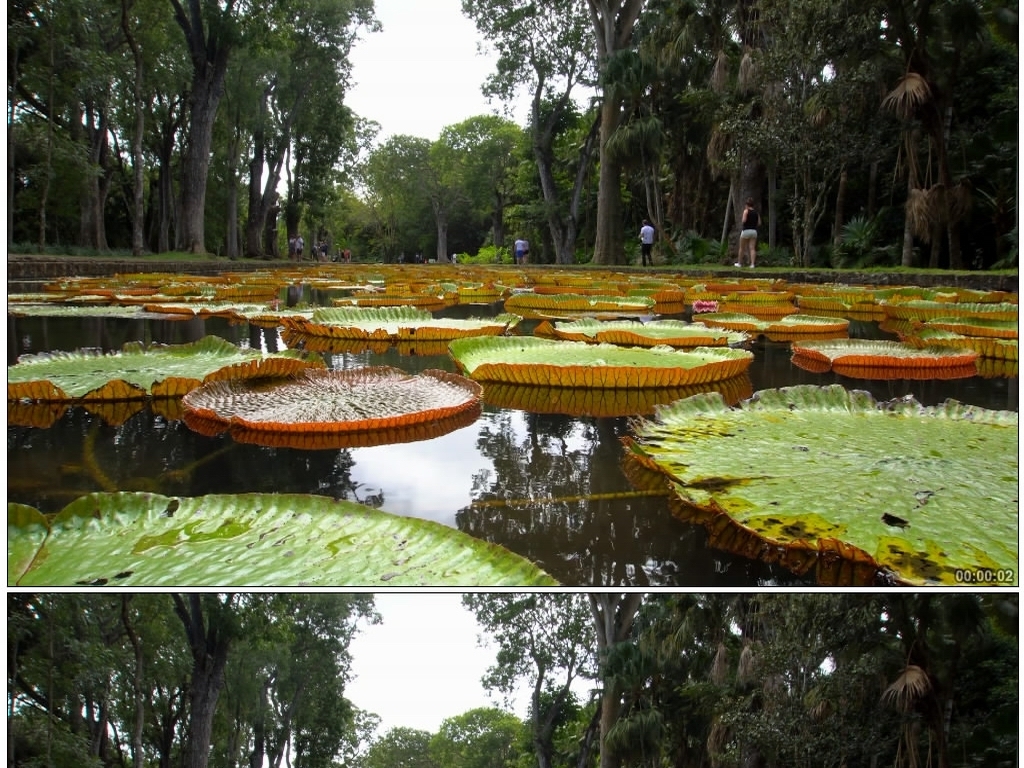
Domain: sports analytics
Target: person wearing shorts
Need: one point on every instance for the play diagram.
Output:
(646, 243)
(748, 233)
(522, 251)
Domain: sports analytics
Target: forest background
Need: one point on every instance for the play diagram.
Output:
(675, 681)
(879, 133)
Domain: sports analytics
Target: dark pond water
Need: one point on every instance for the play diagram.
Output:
(547, 486)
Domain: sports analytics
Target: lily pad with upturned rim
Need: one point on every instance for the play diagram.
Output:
(320, 409)
(891, 355)
(552, 363)
(787, 328)
(137, 371)
(674, 333)
(396, 324)
(606, 402)
(264, 540)
(920, 492)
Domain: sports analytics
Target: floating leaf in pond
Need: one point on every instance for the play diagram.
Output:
(985, 346)
(546, 362)
(137, 371)
(926, 310)
(778, 329)
(892, 356)
(607, 402)
(795, 473)
(568, 302)
(674, 333)
(320, 409)
(396, 324)
(122, 540)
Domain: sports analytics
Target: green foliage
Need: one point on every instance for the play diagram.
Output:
(401, 747)
(488, 254)
(859, 246)
(480, 738)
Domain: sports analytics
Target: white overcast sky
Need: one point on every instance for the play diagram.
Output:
(422, 664)
(422, 71)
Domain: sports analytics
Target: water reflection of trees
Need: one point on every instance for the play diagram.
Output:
(557, 496)
(149, 453)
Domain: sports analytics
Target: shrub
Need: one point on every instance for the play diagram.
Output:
(857, 246)
(488, 254)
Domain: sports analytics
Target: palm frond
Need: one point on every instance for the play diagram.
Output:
(906, 98)
(907, 689)
(720, 72)
(745, 670)
(720, 666)
(748, 73)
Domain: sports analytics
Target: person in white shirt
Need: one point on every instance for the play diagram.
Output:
(521, 250)
(646, 243)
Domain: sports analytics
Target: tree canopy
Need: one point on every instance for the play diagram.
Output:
(881, 133)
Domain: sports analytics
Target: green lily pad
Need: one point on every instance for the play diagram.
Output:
(571, 302)
(547, 362)
(674, 333)
(141, 539)
(137, 372)
(926, 493)
(401, 323)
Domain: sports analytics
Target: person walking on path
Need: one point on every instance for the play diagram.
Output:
(646, 243)
(748, 233)
(522, 250)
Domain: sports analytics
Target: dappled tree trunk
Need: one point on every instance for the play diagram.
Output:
(872, 189)
(837, 225)
(613, 620)
(609, 241)
(613, 27)
(138, 167)
(138, 701)
(209, 64)
(92, 229)
(12, 113)
(209, 641)
(441, 221)
(498, 225)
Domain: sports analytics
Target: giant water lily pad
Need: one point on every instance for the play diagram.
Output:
(309, 410)
(674, 333)
(248, 540)
(926, 310)
(138, 371)
(569, 302)
(793, 326)
(799, 474)
(888, 355)
(551, 363)
(985, 346)
(607, 402)
(396, 324)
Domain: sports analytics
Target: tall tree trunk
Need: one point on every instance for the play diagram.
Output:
(873, 189)
(613, 620)
(441, 220)
(907, 253)
(209, 64)
(138, 181)
(613, 22)
(12, 114)
(45, 195)
(138, 702)
(837, 226)
(498, 225)
(209, 642)
(609, 240)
